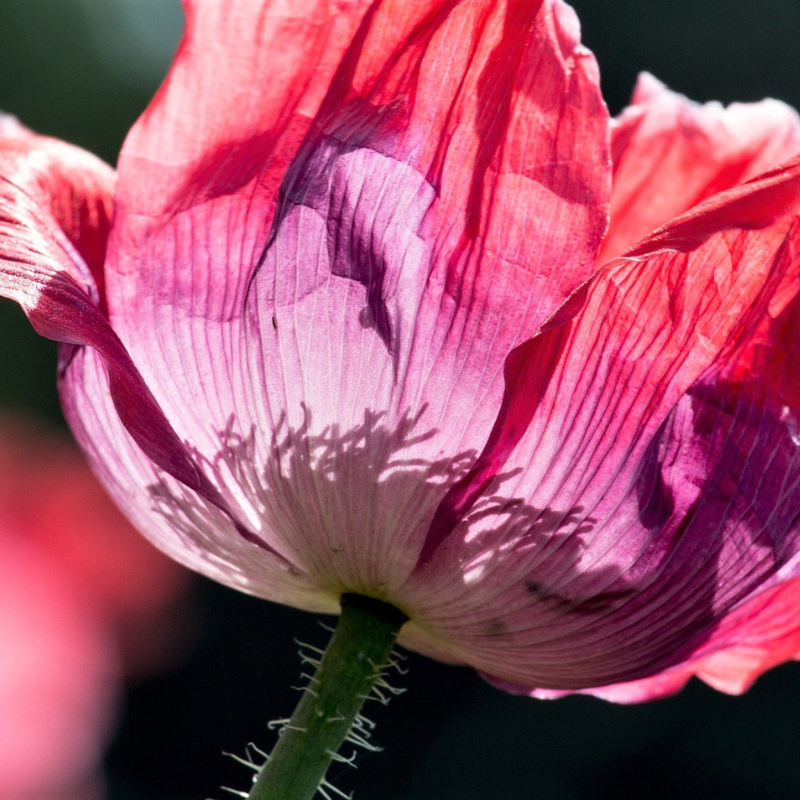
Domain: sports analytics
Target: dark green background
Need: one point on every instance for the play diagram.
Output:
(450, 736)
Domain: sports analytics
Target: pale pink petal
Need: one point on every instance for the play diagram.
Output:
(451, 196)
(626, 501)
(434, 211)
(198, 184)
(55, 203)
(671, 154)
(177, 520)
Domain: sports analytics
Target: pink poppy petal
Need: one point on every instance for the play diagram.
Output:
(671, 154)
(175, 519)
(55, 203)
(399, 271)
(759, 635)
(443, 207)
(625, 502)
(198, 183)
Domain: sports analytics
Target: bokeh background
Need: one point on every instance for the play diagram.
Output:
(83, 70)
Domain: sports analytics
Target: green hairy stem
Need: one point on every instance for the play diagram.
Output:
(328, 712)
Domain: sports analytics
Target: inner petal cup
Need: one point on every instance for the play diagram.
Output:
(365, 308)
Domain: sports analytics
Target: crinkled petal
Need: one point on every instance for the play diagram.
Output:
(444, 178)
(643, 477)
(55, 211)
(55, 206)
(759, 635)
(198, 184)
(671, 154)
(452, 194)
(176, 519)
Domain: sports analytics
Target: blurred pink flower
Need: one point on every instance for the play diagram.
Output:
(80, 593)
(361, 324)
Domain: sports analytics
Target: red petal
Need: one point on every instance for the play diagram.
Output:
(671, 154)
(57, 198)
(622, 510)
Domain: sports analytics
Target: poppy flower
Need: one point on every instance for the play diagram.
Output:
(382, 302)
(84, 603)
